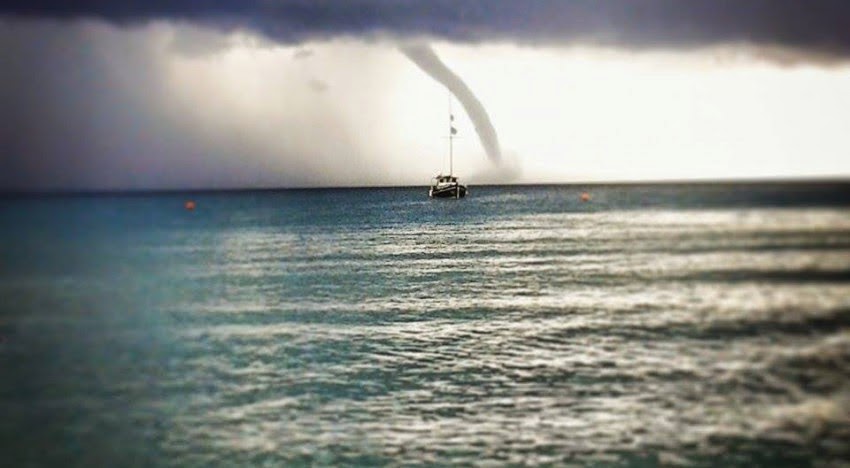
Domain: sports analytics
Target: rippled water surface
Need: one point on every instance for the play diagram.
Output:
(695, 325)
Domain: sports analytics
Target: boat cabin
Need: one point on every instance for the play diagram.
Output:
(444, 179)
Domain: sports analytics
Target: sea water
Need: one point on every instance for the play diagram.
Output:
(651, 325)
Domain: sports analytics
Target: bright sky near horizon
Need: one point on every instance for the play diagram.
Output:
(162, 104)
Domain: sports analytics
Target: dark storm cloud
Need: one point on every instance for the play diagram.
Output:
(89, 106)
(819, 26)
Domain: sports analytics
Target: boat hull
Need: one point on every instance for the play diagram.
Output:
(453, 191)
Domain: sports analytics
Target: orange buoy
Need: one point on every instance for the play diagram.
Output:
(585, 196)
(189, 205)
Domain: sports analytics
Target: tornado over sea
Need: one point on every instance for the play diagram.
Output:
(425, 58)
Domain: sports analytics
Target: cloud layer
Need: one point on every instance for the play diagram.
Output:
(89, 105)
(816, 26)
(160, 94)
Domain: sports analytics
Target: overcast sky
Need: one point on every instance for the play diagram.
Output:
(206, 94)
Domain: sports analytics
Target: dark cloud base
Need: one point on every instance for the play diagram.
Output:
(819, 26)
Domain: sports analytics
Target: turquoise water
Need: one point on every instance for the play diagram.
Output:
(653, 325)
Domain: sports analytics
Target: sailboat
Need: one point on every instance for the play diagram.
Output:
(447, 186)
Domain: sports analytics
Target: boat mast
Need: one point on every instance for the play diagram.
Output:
(451, 137)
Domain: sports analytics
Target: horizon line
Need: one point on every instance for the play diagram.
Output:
(825, 180)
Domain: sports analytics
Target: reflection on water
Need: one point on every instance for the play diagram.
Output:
(375, 327)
